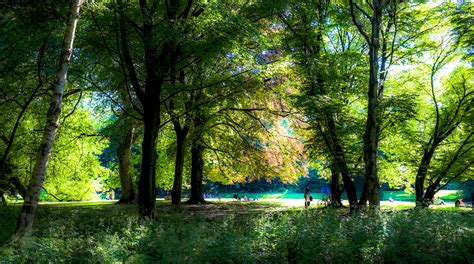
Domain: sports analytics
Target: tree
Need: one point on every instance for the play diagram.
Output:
(450, 117)
(326, 53)
(126, 138)
(202, 80)
(180, 46)
(380, 57)
(181, 131)
(25, 221)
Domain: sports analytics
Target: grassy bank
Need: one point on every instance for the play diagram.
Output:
(238, 233)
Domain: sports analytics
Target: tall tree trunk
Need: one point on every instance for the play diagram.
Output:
(127, 196)
(25, 222)
(179, 165)
(146, 182)
(370, 135)
(197, 167)
(158, 63)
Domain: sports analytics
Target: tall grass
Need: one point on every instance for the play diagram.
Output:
(232, 234)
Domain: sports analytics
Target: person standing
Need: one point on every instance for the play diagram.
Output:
(307, 198)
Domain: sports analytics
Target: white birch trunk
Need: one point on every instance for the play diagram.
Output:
(25, 222)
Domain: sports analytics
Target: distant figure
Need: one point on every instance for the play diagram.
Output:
(107, 196)
(236, 197)
(459, 203)
(307, 198)
(246, 199)
(390, 199)
(255, 198)
(439, 201)
(16, 196)
(167, 195)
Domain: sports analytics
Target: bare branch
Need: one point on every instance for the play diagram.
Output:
(363, 12)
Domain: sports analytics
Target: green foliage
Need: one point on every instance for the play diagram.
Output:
(74, 166)
(112, 233)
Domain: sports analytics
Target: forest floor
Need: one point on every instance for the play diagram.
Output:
(239, 232)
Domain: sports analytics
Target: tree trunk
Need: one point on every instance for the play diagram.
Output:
(430, 193)
(421, 177)
(341, 163)
(370, 135)
(197, 167)
(158, 64)
(431, 189)
(146, 182)
(127, 196)
(363, 196)
(335, 191)
(4, 201)
(25, 222)
(350, 189)
(179, 165)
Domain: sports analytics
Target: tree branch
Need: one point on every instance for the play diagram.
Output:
(357, 23)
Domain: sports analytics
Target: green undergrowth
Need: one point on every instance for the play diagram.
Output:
(239, 233)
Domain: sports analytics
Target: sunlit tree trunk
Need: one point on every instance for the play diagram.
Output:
(30, 204)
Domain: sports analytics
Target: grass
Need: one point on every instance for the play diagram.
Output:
(235, 232)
